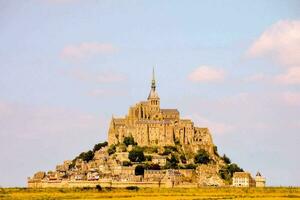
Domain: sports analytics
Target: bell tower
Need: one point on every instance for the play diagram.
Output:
(153, 96)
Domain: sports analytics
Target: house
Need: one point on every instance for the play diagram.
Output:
(243, 179)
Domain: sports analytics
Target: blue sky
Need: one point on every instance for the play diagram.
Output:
(67, 66)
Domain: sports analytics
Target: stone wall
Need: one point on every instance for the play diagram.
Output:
(74, 184)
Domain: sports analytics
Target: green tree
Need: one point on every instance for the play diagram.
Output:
(139, 170)
(99, 146)
(172, 163)
(202, 157)
(234, 168)
(86, 156)
(136, 155)
(129, 141)
(227, 171)
(112, 149)
(216, 150)
(226, 159)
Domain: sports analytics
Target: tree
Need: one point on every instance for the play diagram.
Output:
(139, 170)
(99, 146)
(86, 156)
(129, 141)
(202, 157)
(227, 171)
(216, 150)
(234, 168)
(172, 163)
(226, 159)
(112, 149)
(136, 155)
(148, 158)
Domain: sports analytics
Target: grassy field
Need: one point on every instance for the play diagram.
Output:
(280, 193)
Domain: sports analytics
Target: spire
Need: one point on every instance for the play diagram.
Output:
(153, 85)
(153, 94)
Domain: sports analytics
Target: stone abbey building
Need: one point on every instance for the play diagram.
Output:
(172, 152)
(151, 125)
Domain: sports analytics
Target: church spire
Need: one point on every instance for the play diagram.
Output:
(153, 94)
(153, 84)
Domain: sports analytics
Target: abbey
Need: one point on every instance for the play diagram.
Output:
(149, 147)
(151, 125)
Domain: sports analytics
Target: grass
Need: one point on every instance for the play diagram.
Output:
(279, 193)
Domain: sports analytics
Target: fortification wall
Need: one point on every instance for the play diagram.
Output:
(74, 184)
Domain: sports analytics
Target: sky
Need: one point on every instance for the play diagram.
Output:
(68, 66)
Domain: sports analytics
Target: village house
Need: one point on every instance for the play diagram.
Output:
(243, 179)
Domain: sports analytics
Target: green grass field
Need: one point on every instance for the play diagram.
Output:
(280, 193)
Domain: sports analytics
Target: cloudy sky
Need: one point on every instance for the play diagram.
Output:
(67, 66)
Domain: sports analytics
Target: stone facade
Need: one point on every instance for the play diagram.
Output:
(260, 181)
(150, 125)
(243, 179)
(169, 143)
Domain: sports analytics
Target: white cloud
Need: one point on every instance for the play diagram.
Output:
(291, 76)
(291, 98)
(87, 49)
(206, 74)
(280, 42)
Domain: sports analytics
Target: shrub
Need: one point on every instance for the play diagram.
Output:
(132, 188)
(216, 150)
(226, 159)
(148, 158)
(99, 146)
(172, 163)
(112, 149)
(202, 157)
(227, 171)
(86, 156)
(136, 155)
(129, 141)
(190, 166)
(139, 170)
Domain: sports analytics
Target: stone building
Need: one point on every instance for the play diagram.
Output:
(151, 125)
(260, 180)
(243, 179)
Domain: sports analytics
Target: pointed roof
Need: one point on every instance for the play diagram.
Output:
(153, 94)
(258, 174)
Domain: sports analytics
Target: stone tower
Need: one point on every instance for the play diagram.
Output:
(260, 180)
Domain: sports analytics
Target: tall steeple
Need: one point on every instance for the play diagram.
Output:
(153, 94)
(153, 85)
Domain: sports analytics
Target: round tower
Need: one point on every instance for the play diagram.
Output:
(260, 180)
